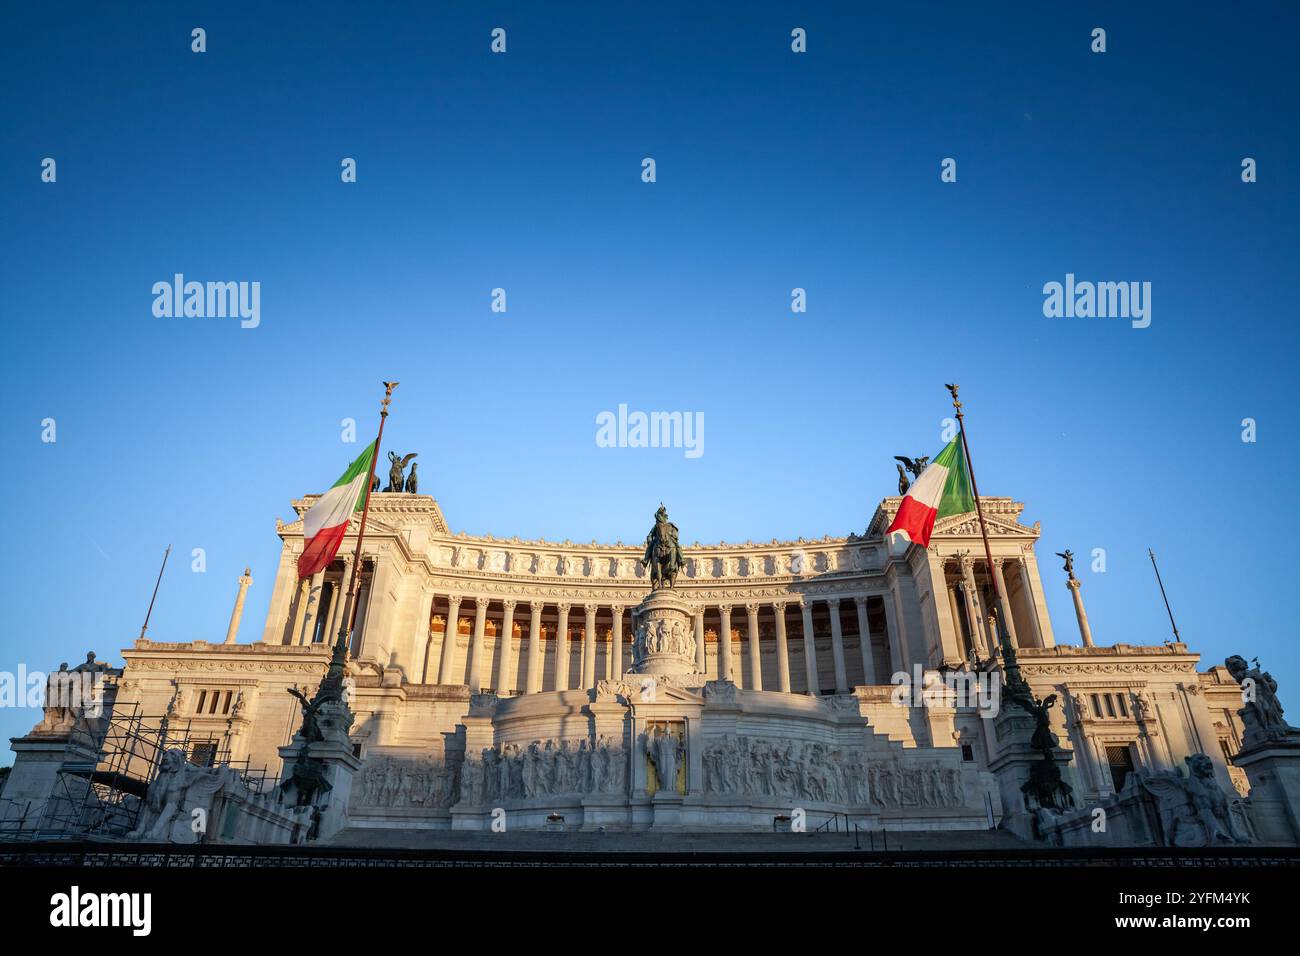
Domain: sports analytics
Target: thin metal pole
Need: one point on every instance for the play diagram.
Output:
(1168, 609)
(979, 509)
(345, 627)
(145, 626)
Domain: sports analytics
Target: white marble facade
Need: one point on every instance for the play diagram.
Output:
(497, 674)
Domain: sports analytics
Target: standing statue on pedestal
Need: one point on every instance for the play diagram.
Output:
(664, 751)
(663, 555)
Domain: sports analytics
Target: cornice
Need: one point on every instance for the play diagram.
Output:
(1067, 660)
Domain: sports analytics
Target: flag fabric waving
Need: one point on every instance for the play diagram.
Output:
(324, 525)
(943, 489)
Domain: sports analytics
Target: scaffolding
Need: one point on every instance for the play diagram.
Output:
(101, 798)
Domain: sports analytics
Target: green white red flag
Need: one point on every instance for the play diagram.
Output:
(325, 524)
(943, 489)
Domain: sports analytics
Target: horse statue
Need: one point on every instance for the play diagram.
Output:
(663, 555)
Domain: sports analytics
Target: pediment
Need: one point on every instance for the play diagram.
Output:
(967, 525)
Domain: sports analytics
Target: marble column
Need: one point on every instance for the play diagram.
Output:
(782, 650)
(897, 639)
(535, 656)
(355, 616)
(979, 633)
(315, 595)
(338, 604)
(755, 654)
(1004, 613)
(506, 648)
(724, 642)
(476, 648)
(616, 644)
(447, 670)
(810, 650)
(428, 654)
(562, 649)
(1035, 631)
(837, 647)
(301, 607)
(701, 658)
(422, 650)
(589, 645)
(953, 590)
(864, 642)
(1084, 630)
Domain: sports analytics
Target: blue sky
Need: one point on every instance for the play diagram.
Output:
(522, 171)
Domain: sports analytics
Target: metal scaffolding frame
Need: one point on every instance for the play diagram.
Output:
(101, 799)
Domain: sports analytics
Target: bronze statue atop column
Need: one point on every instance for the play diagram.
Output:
(1068, 555)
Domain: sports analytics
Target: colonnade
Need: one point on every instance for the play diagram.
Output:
(565, 646)
(968, 602)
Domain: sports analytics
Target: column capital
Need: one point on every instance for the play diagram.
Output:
(563, 607)
(860, 600)
(834, 602)
(482, 602)
(724, 609)
(1074, 584)
(510, 604)
(453, 600)
(780, 606)
(753, 607)
(591, 608)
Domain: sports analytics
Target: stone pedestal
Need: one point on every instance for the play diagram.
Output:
(32, 781)
(665, 635)
(1013, 766)
(667, 809)
(331, 762)
(1273, 768)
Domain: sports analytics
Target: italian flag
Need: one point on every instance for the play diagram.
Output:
(325, 524)
(942, 490)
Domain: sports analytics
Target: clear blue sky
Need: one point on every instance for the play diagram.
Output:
(522, 171)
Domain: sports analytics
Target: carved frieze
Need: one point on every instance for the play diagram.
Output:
(543, 768)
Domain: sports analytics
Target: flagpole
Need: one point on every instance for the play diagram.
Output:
(1168, 609)
(979, 509)
(1015, 682)
(332, 686)
(147, 614)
